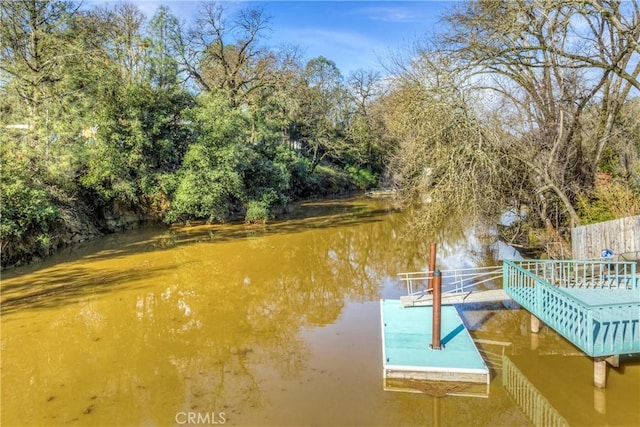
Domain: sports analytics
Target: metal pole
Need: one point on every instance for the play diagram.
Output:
(432, 264)
(437, 310)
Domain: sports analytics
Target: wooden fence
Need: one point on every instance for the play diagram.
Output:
(620, 235)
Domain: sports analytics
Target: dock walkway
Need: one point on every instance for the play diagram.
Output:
(593, 304)
(407, 327)
(468, 297)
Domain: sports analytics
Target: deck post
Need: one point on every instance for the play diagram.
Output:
(437, 311)
(535, 324)
(600, 372)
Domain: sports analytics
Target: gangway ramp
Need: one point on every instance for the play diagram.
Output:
(460, 286)
(469, 297)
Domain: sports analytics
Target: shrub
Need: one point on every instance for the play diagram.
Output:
(363, 178)
(257, 212)
(616, 200)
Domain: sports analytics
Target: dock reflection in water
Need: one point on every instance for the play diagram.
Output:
(542, 399)
(274, 326)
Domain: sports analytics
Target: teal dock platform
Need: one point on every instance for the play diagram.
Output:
(406, 336)
(593, 304)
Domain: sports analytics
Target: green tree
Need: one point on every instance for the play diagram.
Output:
(209, 180)
(140, 139)
(164, 69)
(324, 111)
(43, 74)
(141, 136)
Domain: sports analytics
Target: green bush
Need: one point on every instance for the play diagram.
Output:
(297, 168)
(329, 181)
(616, 200)
(207, 186)
(363, 178)
(28, 212)
(257, 212)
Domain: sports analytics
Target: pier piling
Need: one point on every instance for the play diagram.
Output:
(536, 324)
(437, 311)
(599, 372)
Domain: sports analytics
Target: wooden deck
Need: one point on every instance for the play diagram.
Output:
(406, 335)
(594, 305)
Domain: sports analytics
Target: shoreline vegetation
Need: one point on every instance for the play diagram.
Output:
(110, 118)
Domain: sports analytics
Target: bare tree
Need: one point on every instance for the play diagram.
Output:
(447, 157)
(225, 51)
(550, 62)
(120, 35)
(365, 88)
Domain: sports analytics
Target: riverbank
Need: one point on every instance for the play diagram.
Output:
(80, 222)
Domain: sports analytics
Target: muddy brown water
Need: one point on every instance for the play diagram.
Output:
(275, 326)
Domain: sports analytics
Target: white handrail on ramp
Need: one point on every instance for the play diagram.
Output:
(453, 280)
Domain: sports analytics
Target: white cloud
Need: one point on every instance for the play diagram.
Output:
(389, 14)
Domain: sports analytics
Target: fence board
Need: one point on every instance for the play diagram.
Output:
(620, 235)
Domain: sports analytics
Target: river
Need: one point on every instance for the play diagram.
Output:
(275, 325)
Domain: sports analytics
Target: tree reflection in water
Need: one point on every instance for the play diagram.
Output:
(275, 325)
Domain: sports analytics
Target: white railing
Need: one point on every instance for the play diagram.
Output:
(594, 274)
(453, 281)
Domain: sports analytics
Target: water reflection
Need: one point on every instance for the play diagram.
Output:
(161, 321)
(273, 326)
(528, 397)
(545, 400)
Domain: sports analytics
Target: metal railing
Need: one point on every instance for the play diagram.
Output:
(453, 281)
(603, 329)
(590, 274)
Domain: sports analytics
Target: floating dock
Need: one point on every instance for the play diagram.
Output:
(406, 335)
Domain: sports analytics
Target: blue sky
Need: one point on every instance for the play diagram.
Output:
(354, 34)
